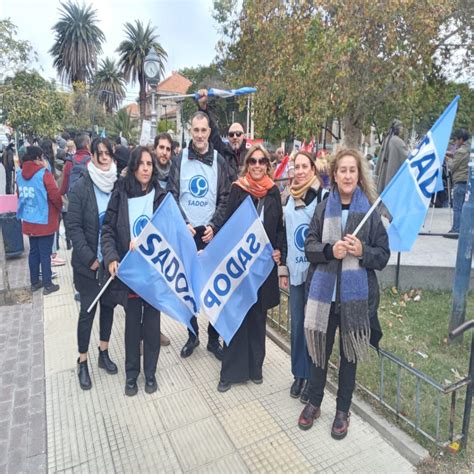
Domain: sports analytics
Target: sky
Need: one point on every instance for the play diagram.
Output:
(186, 29)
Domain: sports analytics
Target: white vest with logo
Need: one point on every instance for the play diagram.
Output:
(297, 226)
(140, 212)
(198, 189)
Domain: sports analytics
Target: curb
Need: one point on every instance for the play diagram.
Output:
(400, 440)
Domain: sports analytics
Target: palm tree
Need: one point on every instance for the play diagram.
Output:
(133, 51)
(78, 42)
(109, 84)
(123, 125)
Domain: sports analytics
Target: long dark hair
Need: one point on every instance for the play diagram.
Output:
(95, 147)
(132, 186)
(47, 146)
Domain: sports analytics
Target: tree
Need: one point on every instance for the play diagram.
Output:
(78, 42)
(226, 111)
(123, 125)
(333, 58)
(33, 105)
(133, 50)
(15, 54)
(109, 84)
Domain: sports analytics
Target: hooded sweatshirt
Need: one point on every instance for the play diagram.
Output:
(30, 168)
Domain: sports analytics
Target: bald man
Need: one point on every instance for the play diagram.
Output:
(234, 151)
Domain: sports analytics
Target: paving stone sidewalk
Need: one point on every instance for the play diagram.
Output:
(187, 426)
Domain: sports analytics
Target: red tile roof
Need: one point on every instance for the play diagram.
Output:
(133, 110)
(174, 84)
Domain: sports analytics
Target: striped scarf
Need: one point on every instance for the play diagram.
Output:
(353, 287)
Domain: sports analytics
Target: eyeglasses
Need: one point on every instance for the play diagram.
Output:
(235, 134)
(261, 161)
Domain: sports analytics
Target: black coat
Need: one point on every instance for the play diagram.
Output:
(82, 222)
(269, 293)
(115, 239)
(376, 254)
(173, 184)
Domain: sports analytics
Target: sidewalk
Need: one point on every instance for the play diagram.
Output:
(187, 426)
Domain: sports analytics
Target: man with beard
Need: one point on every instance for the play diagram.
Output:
(163, 148)
(234, 151)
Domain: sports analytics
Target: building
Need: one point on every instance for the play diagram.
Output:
(169, 110)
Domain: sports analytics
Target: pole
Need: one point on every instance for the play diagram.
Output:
(252, 123)
(462, 272)
(248, 115)
(364, 220)
(153, 113)
(397, 272)
(468, 402)
(101, 292)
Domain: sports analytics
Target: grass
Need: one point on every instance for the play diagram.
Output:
(415, 327)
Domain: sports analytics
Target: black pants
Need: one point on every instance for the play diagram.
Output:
(9, 173)
(141, 318)
(347, 371)
(212, 334)
(243, 357)
(88, 289)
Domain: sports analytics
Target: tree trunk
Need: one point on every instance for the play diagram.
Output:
(352, 132)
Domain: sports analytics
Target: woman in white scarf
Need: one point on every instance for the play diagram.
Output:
(88, 202)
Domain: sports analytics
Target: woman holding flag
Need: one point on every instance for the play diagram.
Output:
(133, 203)
(243, 357)
(342, 286)
(88, 202)
(305, 193)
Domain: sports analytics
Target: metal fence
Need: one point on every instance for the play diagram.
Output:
(441, 423)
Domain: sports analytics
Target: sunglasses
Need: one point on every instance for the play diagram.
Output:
(235, 134)
(254, 161)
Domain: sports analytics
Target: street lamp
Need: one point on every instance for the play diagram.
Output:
(152, 68)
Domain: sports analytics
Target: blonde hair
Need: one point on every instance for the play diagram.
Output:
(365, 180)
(249, 154)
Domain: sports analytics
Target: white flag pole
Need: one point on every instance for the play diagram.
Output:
(101, 292)
(364, 220)
(177, 97)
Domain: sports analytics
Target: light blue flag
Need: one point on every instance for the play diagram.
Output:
(408, 195)
(163, 268)
(224, 93)
(234, 266)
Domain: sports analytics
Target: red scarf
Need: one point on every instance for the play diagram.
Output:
(258, 188)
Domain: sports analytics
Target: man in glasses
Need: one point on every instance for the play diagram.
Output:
(234, 151)
(198, 181)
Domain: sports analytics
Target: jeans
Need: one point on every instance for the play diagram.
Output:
(300, 362)
(40, 254)
(459, 192)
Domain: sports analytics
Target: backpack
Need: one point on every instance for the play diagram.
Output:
(78, 166)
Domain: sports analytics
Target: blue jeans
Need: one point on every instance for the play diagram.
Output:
(40, 254)
(300, 362)
(459, 192)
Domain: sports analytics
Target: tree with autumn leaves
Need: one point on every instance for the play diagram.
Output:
(333, 58)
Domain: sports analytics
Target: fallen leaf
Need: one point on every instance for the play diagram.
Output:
(417, 298)
(411, 364)
(390, 324)
(422, 354)
(406, 297)
(447, 382)
(457, 375)
(408, 338)
(394, 290)
(403, 304)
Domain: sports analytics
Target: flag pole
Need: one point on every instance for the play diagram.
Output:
(101, 292)
(177, 97)
(364, 220)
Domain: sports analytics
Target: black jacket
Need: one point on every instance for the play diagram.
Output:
(173, 184)
(234, 158)
(82, 222)
(269, 293)
(376, 254)
(115, 239)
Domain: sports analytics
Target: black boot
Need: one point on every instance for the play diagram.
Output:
(296, 387)
(304, 397)
(190, 345)
(105, 362)
(83, 374)
(214, 347)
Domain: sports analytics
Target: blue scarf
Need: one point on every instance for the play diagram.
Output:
(353, 287)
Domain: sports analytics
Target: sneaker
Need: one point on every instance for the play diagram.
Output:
(51, 288)
(53, 275)
(131, 388)
(36, 286)
(57, 261)
(150, 384)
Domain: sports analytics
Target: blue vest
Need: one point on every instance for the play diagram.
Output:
(297, 226)
(32, 198)
(102, 200)
(198, 189)
(140, 211)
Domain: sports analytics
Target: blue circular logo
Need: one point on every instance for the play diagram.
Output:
(139, 224)
(198, 186)
(301, 233)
